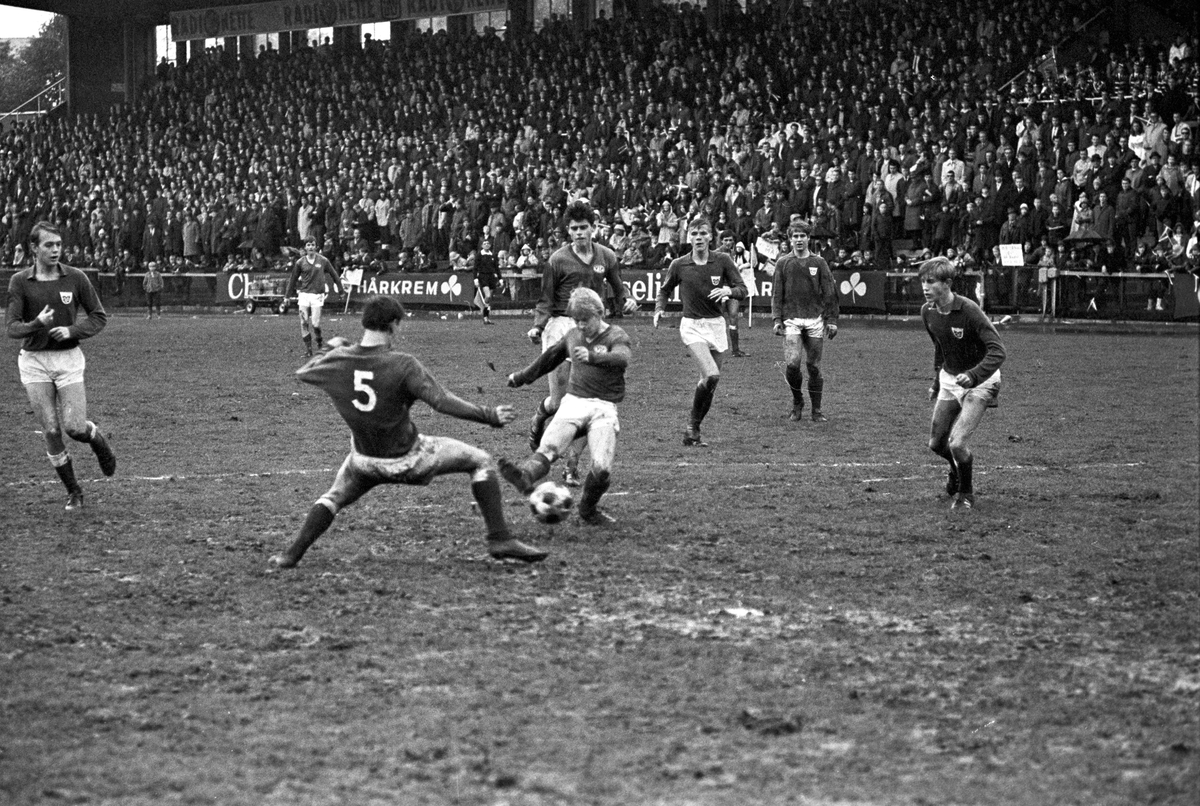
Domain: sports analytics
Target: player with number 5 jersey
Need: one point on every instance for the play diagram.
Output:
(373, 388)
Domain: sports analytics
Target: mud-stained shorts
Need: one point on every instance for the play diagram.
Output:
(987, 390)
(429, 457)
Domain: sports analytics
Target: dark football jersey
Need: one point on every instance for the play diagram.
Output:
(68, 294)
(964, 339)
(564, 272)
(696, 281)
(374, 388)
(602, 377)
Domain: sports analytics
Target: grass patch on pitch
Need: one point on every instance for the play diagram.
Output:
(790, 615)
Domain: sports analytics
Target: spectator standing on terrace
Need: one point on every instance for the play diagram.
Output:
(705, 279)
(308, 278)
(967, 355)
(44, 306)
(804, 309)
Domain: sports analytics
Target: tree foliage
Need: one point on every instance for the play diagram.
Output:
(43, 61)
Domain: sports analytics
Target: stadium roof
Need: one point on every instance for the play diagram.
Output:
(156, 10)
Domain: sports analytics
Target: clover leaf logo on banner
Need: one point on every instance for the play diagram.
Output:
(452, 286)
(854, 287)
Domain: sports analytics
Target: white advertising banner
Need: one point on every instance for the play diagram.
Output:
(293, 15)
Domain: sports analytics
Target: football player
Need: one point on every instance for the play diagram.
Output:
(804, 307)
(373, 388)
(706, 280)
(308, 275)
(967, 355)
(578, 264)
(44, 307)
(599, 352)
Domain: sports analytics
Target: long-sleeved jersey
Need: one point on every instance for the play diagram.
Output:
(309, 276)
(803, 289)
(696, 281)
(964, 340)
(602, 376)
(68, 294)
(374, 389)
(565, 271)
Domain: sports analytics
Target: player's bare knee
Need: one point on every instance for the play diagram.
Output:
(602, 472)
(78, 433)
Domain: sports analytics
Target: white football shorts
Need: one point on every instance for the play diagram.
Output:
(988, 390)
(307, 300)
(555, 329)
(583, 412)
(59, 367)
(705, 331)
(815, 327)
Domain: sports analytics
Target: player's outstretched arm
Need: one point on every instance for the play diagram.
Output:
(551, 358)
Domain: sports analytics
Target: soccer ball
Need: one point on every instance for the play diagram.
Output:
(550, 502)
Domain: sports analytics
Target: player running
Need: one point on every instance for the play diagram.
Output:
(44, 303)
(967, 355)
(804, 307)
(705, 279)
(582, 263)
(373, 389)
(599, 352)
(309, 275)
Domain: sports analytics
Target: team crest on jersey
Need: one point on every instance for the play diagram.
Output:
(956, 332)
(66, 296)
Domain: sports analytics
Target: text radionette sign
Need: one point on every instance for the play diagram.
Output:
(292, 15)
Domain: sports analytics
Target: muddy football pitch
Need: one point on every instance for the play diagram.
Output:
(790, 615)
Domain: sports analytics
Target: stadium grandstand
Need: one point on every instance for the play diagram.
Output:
(403, 134)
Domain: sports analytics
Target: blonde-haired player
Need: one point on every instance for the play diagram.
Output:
(599, 353)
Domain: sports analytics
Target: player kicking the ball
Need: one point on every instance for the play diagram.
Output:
(373, 389)
(599, 353)
(967, 355)
(582, 263)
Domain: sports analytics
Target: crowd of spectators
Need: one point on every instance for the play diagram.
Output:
(895, 129)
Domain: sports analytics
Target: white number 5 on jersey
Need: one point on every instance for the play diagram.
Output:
(361, 376)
